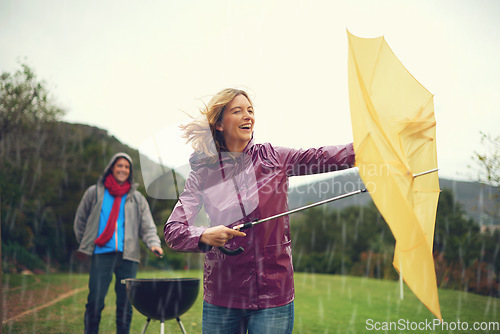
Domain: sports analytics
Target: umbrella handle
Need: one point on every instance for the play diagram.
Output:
(231, 252)
(239, 250)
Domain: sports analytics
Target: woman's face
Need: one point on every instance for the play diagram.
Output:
(237, 124)
(121, 170)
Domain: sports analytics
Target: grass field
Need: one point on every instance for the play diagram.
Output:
(323, 304)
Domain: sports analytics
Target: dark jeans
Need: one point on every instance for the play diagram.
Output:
(101, 273)
(223, 320)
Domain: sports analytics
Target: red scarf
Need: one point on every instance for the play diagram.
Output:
(117, 191)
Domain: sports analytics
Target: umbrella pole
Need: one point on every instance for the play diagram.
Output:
(251, 224)
(426, 172)
(245, 226)
(400, 279)
(175, 183)
(163, 168)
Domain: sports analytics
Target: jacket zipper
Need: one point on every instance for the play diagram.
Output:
(116, 235)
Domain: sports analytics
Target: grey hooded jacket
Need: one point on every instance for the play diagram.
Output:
(138, 220)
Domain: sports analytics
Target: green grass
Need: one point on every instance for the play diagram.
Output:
(343, 304)
(323, 304)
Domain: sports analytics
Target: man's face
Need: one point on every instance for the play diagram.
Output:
(121, 170)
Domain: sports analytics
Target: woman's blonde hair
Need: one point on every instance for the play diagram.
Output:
(202, 133)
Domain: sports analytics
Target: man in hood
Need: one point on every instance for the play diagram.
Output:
(109, 221)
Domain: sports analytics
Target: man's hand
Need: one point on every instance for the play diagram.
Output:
(219, 235)
(157, 250)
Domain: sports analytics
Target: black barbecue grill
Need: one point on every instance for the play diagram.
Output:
(162, 299)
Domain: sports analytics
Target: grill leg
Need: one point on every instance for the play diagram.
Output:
(146, 326)
(181, 325)
(162, 327)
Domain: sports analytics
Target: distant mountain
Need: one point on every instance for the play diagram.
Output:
(476, 198)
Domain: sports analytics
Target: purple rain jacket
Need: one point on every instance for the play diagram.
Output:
(236, 190)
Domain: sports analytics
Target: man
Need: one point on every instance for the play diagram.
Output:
(109, 221)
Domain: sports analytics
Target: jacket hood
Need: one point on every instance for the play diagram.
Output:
(107, 169)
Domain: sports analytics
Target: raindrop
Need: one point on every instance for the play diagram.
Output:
(321, 310)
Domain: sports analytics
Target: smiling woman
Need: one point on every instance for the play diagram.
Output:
(238, 181)
(237, 123)
(206, 134)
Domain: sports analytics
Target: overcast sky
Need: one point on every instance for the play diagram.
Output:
(133, 67)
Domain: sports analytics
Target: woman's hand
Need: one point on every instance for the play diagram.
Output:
(219, 235)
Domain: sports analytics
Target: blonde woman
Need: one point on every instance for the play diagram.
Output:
(238, 181)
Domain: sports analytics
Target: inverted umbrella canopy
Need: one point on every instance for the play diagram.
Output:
(394, 133)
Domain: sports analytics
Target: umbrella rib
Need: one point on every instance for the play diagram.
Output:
(426, 172)
(371, 108)
(382, 40)
(413, 247)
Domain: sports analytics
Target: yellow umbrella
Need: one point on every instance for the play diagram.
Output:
(394, 133)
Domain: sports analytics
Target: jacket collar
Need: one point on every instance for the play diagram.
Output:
(225, 156)
(199, 159)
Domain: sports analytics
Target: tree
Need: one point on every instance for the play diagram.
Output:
(465, 258)
(24, 101)
(456, 236)
(27, 119)
(486, 169)
(487, 165)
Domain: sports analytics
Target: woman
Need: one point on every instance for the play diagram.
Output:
(239, 181)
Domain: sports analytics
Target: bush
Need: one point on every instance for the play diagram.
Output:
(16, 258)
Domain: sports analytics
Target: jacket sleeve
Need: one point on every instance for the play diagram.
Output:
(147, 229)
(316, 160)
(179, 231)
(83, 212)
